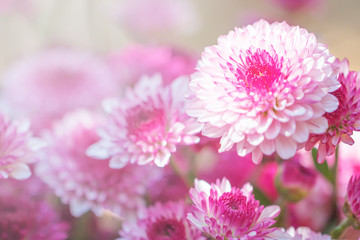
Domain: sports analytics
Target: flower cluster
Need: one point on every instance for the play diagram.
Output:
(266, 109)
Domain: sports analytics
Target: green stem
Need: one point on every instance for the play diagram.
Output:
(178, 171)
(282, 218)
(336, 233)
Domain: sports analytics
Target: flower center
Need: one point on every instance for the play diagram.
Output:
(145, 121)
(259, 72)
(166, 229)
(237, 208)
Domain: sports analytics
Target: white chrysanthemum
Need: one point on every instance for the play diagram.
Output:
(264, 88)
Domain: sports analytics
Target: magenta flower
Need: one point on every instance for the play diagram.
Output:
(54, 82)
(264, 88)
(162, 222)
(353, 198)
(86, 183)
(27, 217)
(304, 233)
(294, 5)
(131, 63)
(225, 212)
(345, 119)
(146, 125)
(17, 149)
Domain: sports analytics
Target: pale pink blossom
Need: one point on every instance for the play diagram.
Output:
(134, 61)
(225, 212)
(151, 18)
(264, 88)
(305, 233)
(86, 183)
(26, 216)
(17, 148)
(54, 82)
(345, 119)
(162, 222)
(146, 125)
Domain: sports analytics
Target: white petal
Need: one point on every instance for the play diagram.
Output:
(318, 125)
(20, 171)
(301, 133)
(330, 103)
(285, 147)
(267, 147)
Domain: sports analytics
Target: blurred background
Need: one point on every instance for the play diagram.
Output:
(27, 26)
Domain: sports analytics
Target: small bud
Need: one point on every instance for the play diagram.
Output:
(295, 181)
(352, 203)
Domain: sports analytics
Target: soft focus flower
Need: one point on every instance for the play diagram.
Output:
(294, 5)
(318, 203)
(223, 212)
(162, 222)
(352, 205)
(226, 164)
(264, 88)
(295, 181)
(146, 125)
(150, 18)
(348, 165)
(17, 149)
(304, 233)
(24, 6)
(159, 190)
(131, 63)
(265, 180)
(25, 216)
(86, 183)
(344, 120)
(54, 82)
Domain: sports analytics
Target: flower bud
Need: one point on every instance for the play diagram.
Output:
(294, 181)
(352, 203)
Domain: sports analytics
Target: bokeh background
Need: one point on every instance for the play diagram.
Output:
(102, 25)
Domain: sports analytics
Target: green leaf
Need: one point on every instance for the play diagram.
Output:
(323, 168)
(259, 195)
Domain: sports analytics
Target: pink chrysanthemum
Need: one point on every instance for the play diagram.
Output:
(353, 197)
(135, 61)
(223, 212)
(27, 217)
(147, 124)
(304, 233)
(17, 149)
(86, 183)
(54, 82)
(345, 119)
(162, 222)
(264, 88)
